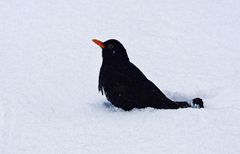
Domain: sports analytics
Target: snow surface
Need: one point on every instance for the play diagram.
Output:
(49, 103)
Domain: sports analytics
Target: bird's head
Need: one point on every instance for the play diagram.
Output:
(113, 52)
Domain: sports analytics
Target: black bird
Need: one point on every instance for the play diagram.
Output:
(126, 87)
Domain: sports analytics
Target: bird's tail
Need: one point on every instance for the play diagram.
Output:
(194, 103)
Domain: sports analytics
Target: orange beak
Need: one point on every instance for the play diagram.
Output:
(99, 43)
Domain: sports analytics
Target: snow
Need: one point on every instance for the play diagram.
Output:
(49, 68)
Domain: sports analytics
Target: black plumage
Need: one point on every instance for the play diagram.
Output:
(126, 87)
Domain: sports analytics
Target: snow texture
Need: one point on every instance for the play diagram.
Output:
(49, 68)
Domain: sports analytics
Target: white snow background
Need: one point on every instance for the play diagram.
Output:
(49, 103)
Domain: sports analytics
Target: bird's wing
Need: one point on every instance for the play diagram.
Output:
(122, 90)
(133, 86)
(146, 90)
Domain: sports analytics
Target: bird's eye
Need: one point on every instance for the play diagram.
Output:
(110, 46)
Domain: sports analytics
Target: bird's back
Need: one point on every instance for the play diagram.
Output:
(127, 87)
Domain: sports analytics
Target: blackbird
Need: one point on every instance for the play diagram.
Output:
(126, 87)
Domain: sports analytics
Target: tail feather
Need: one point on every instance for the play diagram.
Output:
(194, 103)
